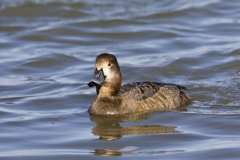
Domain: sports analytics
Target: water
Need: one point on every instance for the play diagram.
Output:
(47, 54)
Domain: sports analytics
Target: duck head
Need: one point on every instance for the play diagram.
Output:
(107, 75)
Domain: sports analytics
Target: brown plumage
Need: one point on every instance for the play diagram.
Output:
(114, 99)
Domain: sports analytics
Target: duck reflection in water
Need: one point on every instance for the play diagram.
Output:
(110, 128)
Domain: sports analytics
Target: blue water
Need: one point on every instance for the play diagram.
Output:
(47, 56)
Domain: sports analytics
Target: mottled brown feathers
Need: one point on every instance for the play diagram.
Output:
(142, 90)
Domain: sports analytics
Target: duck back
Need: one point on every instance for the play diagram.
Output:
(155, 95)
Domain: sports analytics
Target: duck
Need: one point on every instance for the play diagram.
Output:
(113, 98)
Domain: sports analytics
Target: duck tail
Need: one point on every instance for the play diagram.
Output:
(184, 99)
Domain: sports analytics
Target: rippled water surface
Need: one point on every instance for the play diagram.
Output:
(47, 54)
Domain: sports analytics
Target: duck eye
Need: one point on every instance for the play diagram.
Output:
(109, 64)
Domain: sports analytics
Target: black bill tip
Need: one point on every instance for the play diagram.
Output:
(92, 84)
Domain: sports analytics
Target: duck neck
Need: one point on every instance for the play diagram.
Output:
(110, 87)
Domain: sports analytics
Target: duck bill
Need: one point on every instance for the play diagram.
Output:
(98, 78)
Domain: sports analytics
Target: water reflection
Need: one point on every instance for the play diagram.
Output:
(107, 152)
(110, 128)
